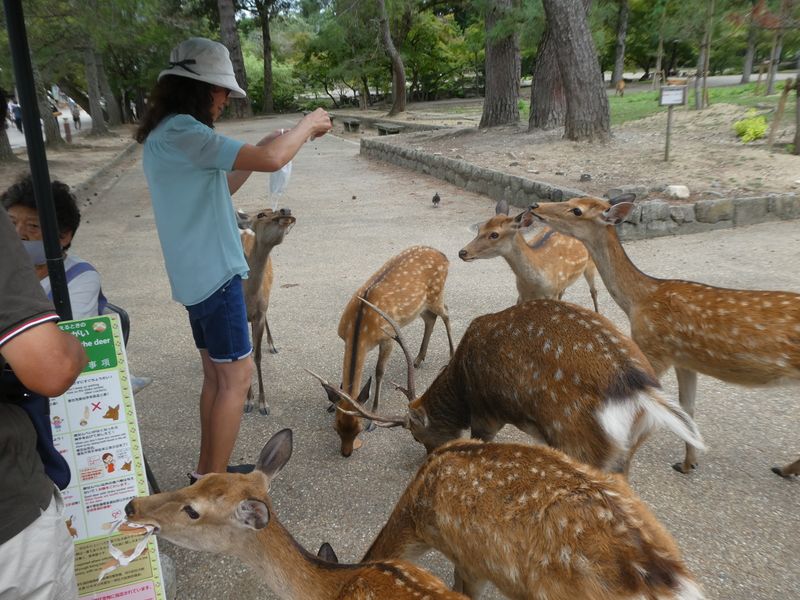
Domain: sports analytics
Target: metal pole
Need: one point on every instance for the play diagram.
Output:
(37, 157)
(669, 131)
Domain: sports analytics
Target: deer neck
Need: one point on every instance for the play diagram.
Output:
(626, 284)
(257, 261)
(523, 261)
(287, 568)
(444, 404)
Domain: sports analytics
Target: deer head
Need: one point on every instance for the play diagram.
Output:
(579, 217)
(496, 236)
(271, 226)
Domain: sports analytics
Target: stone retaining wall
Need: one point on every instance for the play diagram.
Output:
(649, 219)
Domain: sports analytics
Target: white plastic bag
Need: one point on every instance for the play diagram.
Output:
(278, 182)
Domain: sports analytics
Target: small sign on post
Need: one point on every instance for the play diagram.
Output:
(671, 95)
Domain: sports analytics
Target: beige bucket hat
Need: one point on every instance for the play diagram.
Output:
(204, 60)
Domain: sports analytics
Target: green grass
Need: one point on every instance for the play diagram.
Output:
(639, 105)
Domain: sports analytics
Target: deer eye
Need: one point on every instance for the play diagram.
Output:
(576, 211)
(193, 514)
(261, 215)
(494, 235)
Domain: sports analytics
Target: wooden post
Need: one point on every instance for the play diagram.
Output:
(669, 132)
(779, 113)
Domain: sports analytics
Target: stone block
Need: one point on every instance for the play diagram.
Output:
(655, 211)
(677, 191)
(748, 211)
(714, 211)
(660, 228)
(682, 213)
(785, 206)
(635, 216)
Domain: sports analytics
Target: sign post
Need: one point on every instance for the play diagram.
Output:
(671, 95)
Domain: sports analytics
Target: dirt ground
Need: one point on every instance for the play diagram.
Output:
(705, 154)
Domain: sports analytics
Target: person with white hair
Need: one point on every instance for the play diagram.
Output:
(192, 171)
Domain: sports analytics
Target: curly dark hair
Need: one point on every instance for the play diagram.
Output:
(174, 94)
(68, 215)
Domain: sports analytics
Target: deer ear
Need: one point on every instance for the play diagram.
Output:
(276, 453)
(626, 197)
(326, 553)
(243, 220)
(617, 213)
(417, 418)
(501, 208)
(524, 219)
(253, 514)
(363, 395)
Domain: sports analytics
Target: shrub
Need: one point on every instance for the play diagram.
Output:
(751, 128)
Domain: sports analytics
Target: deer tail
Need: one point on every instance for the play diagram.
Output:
(666, 412)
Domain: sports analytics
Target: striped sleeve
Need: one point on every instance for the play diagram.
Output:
(9, 334)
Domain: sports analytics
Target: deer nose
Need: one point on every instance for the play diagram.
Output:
(533, 206)
(285, 212)
(129, 510)
(462, 254)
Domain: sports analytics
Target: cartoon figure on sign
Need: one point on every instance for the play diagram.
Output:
(57, 422)
(99, 327)
(112, 413)
(126, 466)
(108, 459)
(72, 531)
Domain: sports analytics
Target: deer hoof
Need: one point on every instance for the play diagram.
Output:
(273, 350)
(779, 471)
(682, 468)
(331, 408)
(248, 408)
(264, 410)
(418, 362)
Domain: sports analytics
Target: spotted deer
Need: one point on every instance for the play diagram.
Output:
(261, 235)
(556, 371)
(544, 267)
(232, 514)
(739, 336)
(535, 523)
(407, 286)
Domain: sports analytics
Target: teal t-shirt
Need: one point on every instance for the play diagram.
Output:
(185, 163)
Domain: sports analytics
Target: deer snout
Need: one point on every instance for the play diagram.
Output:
(463, 254)
(129, 509)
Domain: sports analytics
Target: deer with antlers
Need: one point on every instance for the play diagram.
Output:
(535, 523)
(544, 267)
(407, 286)
(259, 236)
(556, 371)
(232, 514)
(739, 336)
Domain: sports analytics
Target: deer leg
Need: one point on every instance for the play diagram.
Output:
(687, 389)
(486, 432)
(788, 470)
(270, 344)
(258, 335)
(444, 315)
(384, 351)
(248, 405)
(589, 275)
(467, 585)
(429, 318)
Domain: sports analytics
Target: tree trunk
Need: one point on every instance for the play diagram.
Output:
(93, 87)
(777, 49)
(658, 78)
(752, 31)
(587, 115)
(230, 37)
(622, 32)
(6, 153)
(398, 70)
(707, 61)
(52, 132)
(548, 104)
(797, 113)
(269, 99)
(112, 105)
(500, 103)
(363, 101)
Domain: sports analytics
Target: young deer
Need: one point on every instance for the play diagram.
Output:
(556, 371)
(408, 286)
(619, 88)
(544, 267)
(535, 523)
(233, 514)
(262, 234)
(739, 336)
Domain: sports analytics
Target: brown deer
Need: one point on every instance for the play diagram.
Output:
(619, 88)
(788, 470)
(544, 267)
(264, 232)
(535, 523)
(232, 514)
(407, 286)
(739, 336)
(556, 371)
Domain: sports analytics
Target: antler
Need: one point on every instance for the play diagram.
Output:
(410, 393)
(360, 411)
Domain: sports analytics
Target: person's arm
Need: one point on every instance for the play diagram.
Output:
(282, 149)
(45, 359)
(236, 179)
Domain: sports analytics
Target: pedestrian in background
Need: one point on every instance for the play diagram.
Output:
(16, 114)
(76, 115)
(192, 171)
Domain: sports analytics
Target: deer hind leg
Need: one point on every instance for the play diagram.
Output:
(270, 344)
(788, 470)
(248, 405)
(469, 586)
(429, 318)
(589, 274)
(444, 315)
(258, 335)
(384, 352)
(687, 390)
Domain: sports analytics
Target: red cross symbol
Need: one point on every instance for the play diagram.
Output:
(95, 406)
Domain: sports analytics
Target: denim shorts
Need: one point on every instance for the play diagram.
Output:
(219, 323)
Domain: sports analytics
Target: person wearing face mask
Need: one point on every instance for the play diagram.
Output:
(83, 280)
